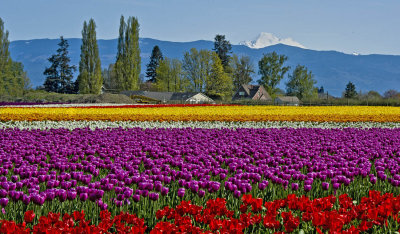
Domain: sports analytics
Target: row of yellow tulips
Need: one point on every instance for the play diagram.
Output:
(208, 113)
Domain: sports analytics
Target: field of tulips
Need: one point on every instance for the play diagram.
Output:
(204, 113)
(199, 169)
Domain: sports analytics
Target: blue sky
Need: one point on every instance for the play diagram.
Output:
(362, 26)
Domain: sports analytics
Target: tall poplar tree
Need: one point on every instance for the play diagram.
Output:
(90, 79)
(155, 58)
(5, 60)
(13, 79)
(127, 66)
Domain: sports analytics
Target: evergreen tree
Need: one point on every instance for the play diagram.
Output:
(127, 66)
(52, 82)
(301, 83)
(222, 47)
(155, 58)
(219, 84)
(321, 90)
(242, 68)
(59, 75)
(66, 70)
(89, 79)
(272, 71)
(350, 91)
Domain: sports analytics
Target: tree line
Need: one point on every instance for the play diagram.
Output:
(219, 73)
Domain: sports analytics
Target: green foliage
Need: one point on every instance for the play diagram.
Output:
(155, 58)
(242, 68)
(219, 84)
(127, 66)
(350, 91)
(197, 67)
(391, 93)
(301, 83)
(272, 71)
(13, 78)
(41, 96)
(90, 79)
(109, 77)
(222, 47)
(170, 76)
(59, 75)
(373, 95)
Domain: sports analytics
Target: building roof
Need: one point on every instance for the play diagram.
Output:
(164, 96)
(153, 95)
(251, 91)
(289, 99)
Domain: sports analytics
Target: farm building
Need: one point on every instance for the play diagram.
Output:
(253, 92)
(287, 100)
(163, 97)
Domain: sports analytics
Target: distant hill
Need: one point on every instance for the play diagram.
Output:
(332, 69)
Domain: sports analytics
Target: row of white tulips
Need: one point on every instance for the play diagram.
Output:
(188, 124)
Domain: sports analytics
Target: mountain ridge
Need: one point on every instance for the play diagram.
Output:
(332, 69)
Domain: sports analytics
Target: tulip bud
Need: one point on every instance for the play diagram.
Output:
(181, 192)
(202, 193)
(136, 198)
(83, 196)
(164, 191)
(153, 196)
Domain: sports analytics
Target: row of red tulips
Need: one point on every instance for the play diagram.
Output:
(130, 106)
(323, 214)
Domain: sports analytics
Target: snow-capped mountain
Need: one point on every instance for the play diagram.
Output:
(269, 39)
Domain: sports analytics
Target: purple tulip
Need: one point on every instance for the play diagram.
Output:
(336, 186)
(136, 197)
(153, 196)
(181, 192)
(83, 196)
(158, 187)
(237, 193)
(3, 193)
(71, 195)
(295, 186)
(164, 191)
(26, 199)
(325, 185)
(373, 180)
(120, 197)
(202, 193)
